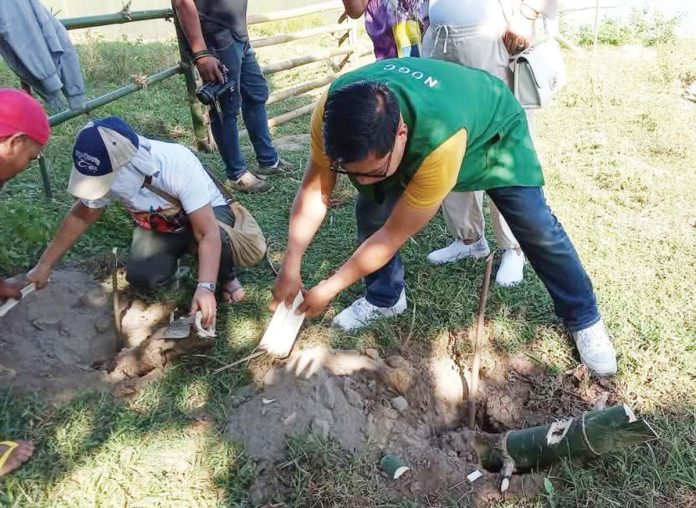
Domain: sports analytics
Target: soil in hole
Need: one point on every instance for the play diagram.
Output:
(372, 406)
(49, 340)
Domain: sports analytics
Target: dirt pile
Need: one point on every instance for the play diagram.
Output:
(62, 339)
(50, 339)
(375, 407)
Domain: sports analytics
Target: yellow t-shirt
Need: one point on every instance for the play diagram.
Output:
(433, 180)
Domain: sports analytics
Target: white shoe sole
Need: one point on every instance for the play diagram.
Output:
(458, 257)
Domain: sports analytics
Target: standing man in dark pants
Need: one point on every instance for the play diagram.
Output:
(217, 34)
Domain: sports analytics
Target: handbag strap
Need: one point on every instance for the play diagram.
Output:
(223, 190)
(163, 194)
(171, 199)
(507, 19)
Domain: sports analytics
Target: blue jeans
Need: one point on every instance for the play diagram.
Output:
(251, 92)
(542, 239)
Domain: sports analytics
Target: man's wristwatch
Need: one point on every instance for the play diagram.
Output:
(207, 285)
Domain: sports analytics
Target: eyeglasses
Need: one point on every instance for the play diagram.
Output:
(337, 167)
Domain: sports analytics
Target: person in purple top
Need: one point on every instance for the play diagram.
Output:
(395, 26)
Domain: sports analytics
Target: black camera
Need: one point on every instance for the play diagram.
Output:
(209, 92)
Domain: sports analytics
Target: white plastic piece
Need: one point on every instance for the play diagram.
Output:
(9, 304)
(268, 401)
(401, 471)
(473, 476)
(504, 485)
(629, 412)
(202, 332)
(283, 328)
(557, 431)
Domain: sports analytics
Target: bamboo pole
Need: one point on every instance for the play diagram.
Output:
(300, 89)
(304, 60)
(583, 437)
(255, 19)
(198, 114)
(478, 342)
(595, 31)
(296, 36)
(102, 100)
(291, 115)
(43, 169)
(117, 18)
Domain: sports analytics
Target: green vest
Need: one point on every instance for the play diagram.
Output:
(437, 99)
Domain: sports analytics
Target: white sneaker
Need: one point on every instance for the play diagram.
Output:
(511, 270)
(361, 313)
(459, 250)
(596, 350)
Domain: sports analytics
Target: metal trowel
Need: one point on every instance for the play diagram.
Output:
(7, 306)
(181, 328)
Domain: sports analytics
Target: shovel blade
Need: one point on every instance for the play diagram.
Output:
(282, 330)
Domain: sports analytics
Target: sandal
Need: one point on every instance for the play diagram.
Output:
(233, 291)
(20, 451)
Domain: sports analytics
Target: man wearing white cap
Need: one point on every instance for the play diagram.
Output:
(172, 199)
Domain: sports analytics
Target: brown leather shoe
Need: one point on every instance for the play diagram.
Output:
(249, 183)
(282, 166)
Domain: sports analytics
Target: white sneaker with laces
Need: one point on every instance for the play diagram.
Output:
(361, 313)
(459, 250)
(596, 349)
(511, 270)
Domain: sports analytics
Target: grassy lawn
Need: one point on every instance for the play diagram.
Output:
(618, 153)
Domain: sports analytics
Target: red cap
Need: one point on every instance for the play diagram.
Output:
(20, 112)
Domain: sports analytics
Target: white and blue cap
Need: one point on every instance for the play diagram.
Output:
(101, 148)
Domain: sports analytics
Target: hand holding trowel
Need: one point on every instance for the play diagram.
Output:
(11, 302)
(280, 335)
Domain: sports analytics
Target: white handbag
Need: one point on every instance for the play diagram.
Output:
(538, 73)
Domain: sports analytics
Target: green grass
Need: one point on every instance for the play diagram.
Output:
(617, 147)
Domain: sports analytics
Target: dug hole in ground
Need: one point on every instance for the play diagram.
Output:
(62, 339)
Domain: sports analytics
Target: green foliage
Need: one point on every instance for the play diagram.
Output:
(619, 175)
(643, 27)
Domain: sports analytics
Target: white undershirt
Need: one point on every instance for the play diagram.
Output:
(463, 12)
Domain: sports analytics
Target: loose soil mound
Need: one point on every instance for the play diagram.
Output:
(50, 339)
(62, 339)
(375, 407)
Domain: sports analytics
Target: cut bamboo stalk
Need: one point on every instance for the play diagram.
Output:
(476, 364)
(116, 302)
(582, 437)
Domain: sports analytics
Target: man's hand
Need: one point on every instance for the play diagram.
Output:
(317, 299)
(518, 35)
(39, 275)
(204, 300)
(10, 290)
(210, 69)
(285, 288)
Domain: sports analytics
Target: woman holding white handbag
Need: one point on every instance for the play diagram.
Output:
(483, 34)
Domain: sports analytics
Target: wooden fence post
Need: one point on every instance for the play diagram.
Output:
(204, 141)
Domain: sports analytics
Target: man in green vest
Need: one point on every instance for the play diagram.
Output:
(407, 132)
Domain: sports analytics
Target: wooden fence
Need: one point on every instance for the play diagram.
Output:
(346, 31)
